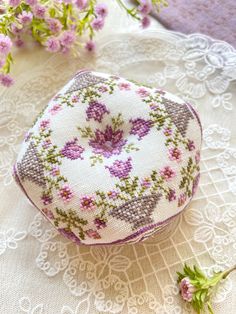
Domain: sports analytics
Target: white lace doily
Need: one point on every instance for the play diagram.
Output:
(41, 272)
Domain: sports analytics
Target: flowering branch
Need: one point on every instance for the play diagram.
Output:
(57, 25)
(197, 289)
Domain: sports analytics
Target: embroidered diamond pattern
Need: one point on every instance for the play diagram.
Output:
(137, 211)
(84, 80)
(31, 167)
(180, 115)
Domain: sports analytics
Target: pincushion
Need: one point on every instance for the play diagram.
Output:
(109, 161)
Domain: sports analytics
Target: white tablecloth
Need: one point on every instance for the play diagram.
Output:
(40, 271)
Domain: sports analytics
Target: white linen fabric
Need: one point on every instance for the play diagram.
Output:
(41, 271)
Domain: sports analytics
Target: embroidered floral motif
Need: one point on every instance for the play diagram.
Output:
(132, 199)
(108, 143)
(120, 169)
(87, 203)
(96, 111)
(72, 150)
(140, 127)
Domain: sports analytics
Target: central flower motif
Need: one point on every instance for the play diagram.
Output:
(107, 143)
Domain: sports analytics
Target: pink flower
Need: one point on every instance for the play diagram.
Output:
(2, 62)
(182, 199)
(47, 199)
(69, 235)
(186, 289)
(167, 173)
(53, 44)
(124, 86)
(19, 42)
(25, 17)
(44, 124)
(66, 193)
(47, 143)
(142, 92)
(171, 195)
(31, 2)
(99, 223)
(54, 25)
(6, 80)
(55, 109)
(14, 3)
(145, 21)
(81, 4)
(145, 7)
(93, 234)
(16, 29)
(39, 11)
(67, 38)
(5, 44)
(120, 169)
(97, 23)
(90, 46)
(87, 203)
(101, 10)
(175, 154)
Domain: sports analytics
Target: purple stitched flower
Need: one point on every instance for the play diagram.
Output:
(44, 124)
(67, 38)
(87, 203)
(81, 4)
(93, 234)
(72, 150)
(140, 127)
(195, 183)
(47, 199)
(69, 235)
(96, 111)
(171, 196)
(108, 143)
(99, 223)
(124, 86)
(182, 199)
(145, 7)
(55, 109)
(191, 145)
(112, 194)
(187, 289)
(120, 168)
(167, 173)
(66, 193)
(146, 183)
(48, 213)
(175, 154)
(142, 92)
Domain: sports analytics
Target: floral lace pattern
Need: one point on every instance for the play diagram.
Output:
(137, 278)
